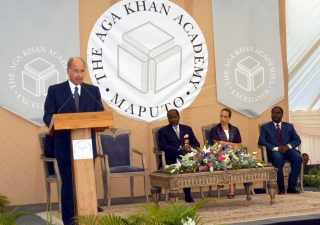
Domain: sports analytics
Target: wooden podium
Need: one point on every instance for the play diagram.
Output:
(80, 124)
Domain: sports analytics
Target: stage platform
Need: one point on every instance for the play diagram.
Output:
(289, 208)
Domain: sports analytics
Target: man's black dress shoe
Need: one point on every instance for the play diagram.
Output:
(100, 209)
(188, 198)
(292, 190)
(281, 190)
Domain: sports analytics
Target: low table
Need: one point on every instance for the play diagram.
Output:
(173, 182)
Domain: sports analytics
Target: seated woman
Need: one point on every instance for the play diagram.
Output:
(226, 134)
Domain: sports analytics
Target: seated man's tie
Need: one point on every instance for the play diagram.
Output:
(280, 134)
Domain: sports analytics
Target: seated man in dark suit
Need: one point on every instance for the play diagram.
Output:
(176, 139)
(281, 139)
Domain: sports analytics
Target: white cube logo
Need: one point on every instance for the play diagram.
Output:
(148, 58)
(249, 74)
(38, 75)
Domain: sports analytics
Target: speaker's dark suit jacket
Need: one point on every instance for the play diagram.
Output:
(170, 143)
(58, 95)
(269, 138)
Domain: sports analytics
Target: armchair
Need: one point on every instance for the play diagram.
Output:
(286, 166)
(115, 153)
(50, 178)
(160, 157)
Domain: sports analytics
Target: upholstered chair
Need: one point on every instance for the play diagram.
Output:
(115, 152)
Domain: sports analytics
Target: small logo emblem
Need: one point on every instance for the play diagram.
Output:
(249, 74)
(38, 75)
(82, 149)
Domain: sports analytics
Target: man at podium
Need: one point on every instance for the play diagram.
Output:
(70, 96)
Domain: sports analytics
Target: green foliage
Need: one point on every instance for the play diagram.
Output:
(149, 214)
(170, 214)
(10, 216)
(4, 202)
(109, 219)
(313, 178)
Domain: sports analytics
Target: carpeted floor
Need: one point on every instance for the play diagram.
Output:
(288, 209)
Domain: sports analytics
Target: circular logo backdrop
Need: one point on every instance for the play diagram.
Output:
(147, 57)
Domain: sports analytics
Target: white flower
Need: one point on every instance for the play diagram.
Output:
(188, 221)
(177, 165)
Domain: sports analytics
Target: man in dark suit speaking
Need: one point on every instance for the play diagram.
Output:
(70, 96)
(176, 139)
(281, 140)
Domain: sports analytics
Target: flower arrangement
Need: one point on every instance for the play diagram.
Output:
(215, 157)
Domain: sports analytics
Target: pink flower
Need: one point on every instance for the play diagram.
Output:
(200, 154)
(221, 158)
(210, 164)
(203, 168)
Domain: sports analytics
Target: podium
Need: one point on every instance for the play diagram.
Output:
(80, 124)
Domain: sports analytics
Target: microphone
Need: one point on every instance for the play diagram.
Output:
(92, 96)
(65, 103)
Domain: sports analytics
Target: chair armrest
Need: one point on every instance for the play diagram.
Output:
(55, 165)
(142, 154)
(101, 156)
(156, 152)
(43, 158)
(137, 151)
(163, 158)
(105, 168)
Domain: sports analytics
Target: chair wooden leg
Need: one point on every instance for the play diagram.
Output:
(48, 190)
(105, 188)
(109, 191)
(301, 179)
(218, 191)
(131, 188)
(146, 186)
(59, 194)
(252, 191)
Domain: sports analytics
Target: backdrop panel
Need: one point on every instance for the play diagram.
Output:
(248, 54)
(37, 39)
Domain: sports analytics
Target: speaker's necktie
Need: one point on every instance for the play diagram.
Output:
(177, 131)
(76, 97)
(280, 134)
